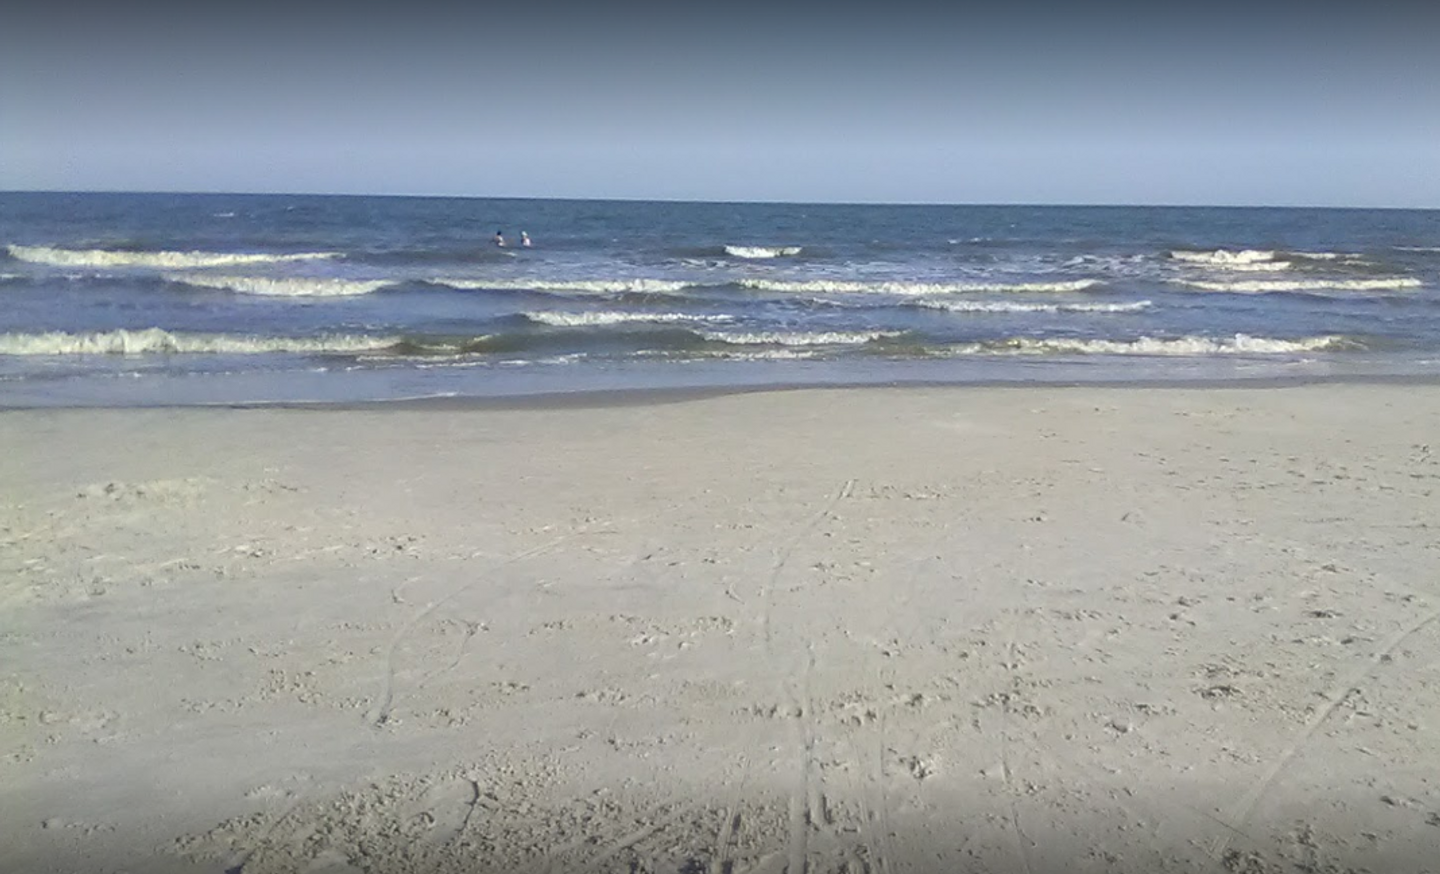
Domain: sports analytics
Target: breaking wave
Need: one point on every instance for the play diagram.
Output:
(593, 286)
(151, 341)
(1257, 260)
(1265, 286)
(832, 286)
(980, 306)
(574, 320)
(781, 354)
(1244, 259)
(1328, 256)
(163, 260)
(1239, 344)
(762, 251)
(280, 287)
(796, 338)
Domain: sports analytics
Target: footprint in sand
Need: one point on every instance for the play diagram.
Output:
(330, 862)
(443, 810)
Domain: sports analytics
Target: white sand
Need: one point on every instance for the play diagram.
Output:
(867, 630)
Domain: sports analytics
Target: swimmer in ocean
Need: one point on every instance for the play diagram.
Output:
(524, 239)
(500, 238)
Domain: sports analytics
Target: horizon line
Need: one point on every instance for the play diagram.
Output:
(720, 201)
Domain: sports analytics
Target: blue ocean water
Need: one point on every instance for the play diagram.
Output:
(119, 299)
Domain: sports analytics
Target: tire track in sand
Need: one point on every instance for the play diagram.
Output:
(801, 710)
(1251, 799)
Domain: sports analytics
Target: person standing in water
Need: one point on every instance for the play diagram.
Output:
(500, 239)
(524, 239)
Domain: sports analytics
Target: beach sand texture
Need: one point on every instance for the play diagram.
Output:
(975, 629)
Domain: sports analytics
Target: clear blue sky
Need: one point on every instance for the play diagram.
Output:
(1204, 104)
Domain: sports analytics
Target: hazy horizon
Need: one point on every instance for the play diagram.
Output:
(1221, 105)
(716, 201)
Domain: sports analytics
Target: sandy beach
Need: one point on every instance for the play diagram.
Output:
(947, 629)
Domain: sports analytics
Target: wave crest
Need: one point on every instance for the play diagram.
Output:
(1266, 286)
(1258, 260)
(762, 251)
(592, 286)
(840, 286)
(784, 353)
(1189, 346)
(982, 306)
(163, 260)
(151, 341)
(797, 338)
(573, 320)
(1229, 258)
(294, 286)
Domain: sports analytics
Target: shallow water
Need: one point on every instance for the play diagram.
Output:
(144, 299)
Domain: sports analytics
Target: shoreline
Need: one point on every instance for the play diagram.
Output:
(623, 397)
(1129, 629)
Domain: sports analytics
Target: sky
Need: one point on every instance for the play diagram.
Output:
(902, 102)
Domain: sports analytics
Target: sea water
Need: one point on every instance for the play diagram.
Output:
(139, 299)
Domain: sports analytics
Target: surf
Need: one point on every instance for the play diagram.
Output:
(902, 288)
(156, 341)
(1271, 286)
(57, 257)
(762, 252)
(602, 318)
(280, 286)
(1186, 346)
(968, 306)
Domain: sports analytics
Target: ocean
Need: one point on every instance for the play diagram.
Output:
(168, 299)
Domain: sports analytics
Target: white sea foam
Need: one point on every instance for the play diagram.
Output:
(1192, 346)
(572, 358)
(1328, 256)
(1227, 258)
(762, 251)
(984, 306)
(786, 354)
(292, 286)
(157, 341)
(797, 338)
(592, 286)
(1258, 260)
(572, 319)
(1258, 266)
(739, 353)
(834, 286)
(161, 260)
(1264, 286)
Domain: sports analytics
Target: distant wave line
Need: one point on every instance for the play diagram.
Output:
(760, 252)
(1223, 257)
(797, 338)
(1257, 260)
(830, 286)
(589, 319)
(294, 286)
(150, 341)
(595, 286)
(1187, 346)
(58, 257)
(782, 286)
(968, 306)
(1394, 283)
